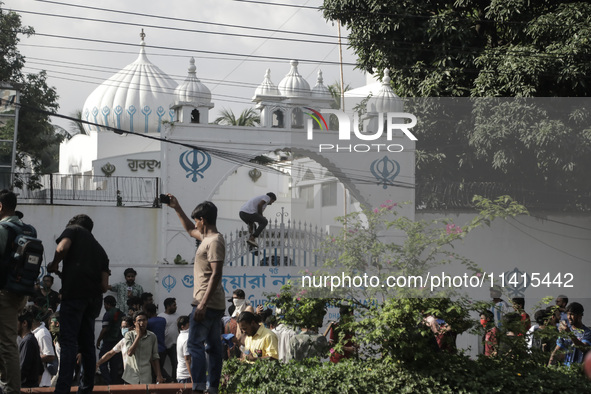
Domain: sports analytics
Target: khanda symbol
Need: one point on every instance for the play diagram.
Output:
(169, 282)
(195, 162)
(385, 170)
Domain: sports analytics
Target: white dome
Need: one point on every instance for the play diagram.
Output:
(386, 100)
(136, 99)
(294, 85)
(321, 91)
(192, 90)
(267, 87)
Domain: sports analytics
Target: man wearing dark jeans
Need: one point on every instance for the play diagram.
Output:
(157, 325)
(170, 335)
(110, 335)
(209, 299)
(10, 305)
(84, 275)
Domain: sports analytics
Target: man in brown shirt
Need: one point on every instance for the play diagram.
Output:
(208, 295)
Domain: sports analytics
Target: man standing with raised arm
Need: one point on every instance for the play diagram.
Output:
(208, 295)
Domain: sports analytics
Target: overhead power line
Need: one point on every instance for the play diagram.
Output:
(188, 49)
(143, 25)
(163, 17)
(307, 7)
(355, 175)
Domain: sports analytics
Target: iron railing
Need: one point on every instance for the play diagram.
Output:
(282, 243)
(61, 188)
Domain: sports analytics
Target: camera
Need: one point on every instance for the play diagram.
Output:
(164, 199)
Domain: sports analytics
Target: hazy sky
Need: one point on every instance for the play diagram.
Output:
(232, 66)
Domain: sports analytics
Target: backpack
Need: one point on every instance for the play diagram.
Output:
(21, 262)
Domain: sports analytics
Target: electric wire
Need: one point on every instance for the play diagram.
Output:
(178, 29)
(185, 49)
(560, 234)
(548, 245)
(163, 17)
(353, 174)
(369, 13)
(412, 46)
(226, 155)
(563, 223)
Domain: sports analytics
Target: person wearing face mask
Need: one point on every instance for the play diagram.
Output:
(491, 335)
(126, 325)
(239, 301)
(241, 305)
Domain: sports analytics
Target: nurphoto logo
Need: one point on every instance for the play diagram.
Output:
(394, 122)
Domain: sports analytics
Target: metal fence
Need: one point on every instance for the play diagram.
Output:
(282, 243)
(61, 188)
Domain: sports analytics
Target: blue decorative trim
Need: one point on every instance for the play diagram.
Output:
(131, 111)
(106, 111)
(95, 112)
(146, 111)
(171, 114)
(160, 112)
(195, 162)
(118, 111)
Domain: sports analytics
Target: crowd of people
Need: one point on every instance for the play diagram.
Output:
(56, 338)
(557, 332)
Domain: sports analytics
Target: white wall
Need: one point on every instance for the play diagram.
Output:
(131, 237)
(128, 235)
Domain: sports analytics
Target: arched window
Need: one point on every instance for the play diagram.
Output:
(277, 120)
(195, 116)
(297, 119)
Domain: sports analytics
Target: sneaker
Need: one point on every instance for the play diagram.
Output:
(252, 243)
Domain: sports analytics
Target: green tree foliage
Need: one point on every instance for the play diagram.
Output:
(446, 374)
(472, 47)
(475, 48)
(37, 140)
(389, 320)
(419, 247)
(248, 118)
(77, 127)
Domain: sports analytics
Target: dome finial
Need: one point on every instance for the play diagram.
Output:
(386, 79)
(320, 80)
(386, 99)
(192, 67)
(294, 85)
(142, 35)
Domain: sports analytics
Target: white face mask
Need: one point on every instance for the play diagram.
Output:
(238, 302)
(124, 331)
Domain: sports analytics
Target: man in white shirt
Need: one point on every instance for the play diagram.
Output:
(171, 333)
(120, 347)
(183, 370)
(284, 335)
(45, 346)
(252, 212)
